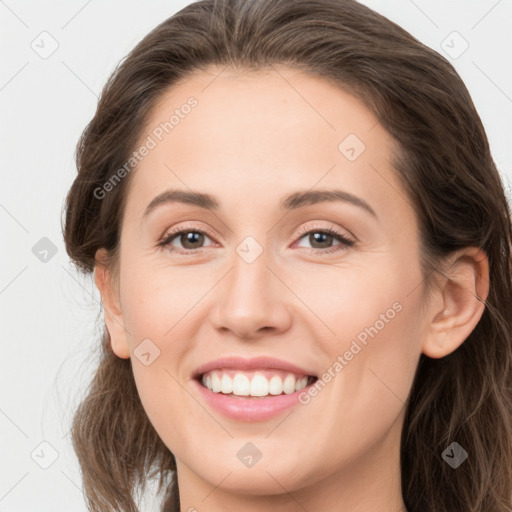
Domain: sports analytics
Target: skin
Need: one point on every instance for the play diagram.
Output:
(254, 138)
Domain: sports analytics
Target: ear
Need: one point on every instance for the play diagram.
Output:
(458, 304)
(111, 305)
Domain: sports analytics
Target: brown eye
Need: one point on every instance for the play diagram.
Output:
(191, 239)
(184, 240)
(322, 240)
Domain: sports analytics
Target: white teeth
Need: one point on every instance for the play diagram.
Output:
(207, 381)
(241, 385)
(289, 384)
(275, 385)
(227, 384)
(301, 383)
(259, 385)
(216, 385)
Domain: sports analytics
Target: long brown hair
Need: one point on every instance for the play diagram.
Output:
(445, 165)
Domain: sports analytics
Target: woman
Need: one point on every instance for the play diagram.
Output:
(302, 245)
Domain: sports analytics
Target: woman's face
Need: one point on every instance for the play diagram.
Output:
(283, 157)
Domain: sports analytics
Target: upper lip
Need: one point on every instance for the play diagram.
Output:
(255, 363)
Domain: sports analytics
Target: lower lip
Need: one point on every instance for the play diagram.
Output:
(250, 409)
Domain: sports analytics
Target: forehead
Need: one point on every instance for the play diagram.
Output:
(253, 107)
(233, 133)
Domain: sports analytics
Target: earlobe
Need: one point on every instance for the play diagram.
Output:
(460, 304)
(114, 322)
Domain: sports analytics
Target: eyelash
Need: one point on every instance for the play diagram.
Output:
(170, 236)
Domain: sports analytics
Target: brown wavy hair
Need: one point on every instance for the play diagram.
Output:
(447, 170)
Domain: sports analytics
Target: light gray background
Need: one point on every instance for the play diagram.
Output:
(50, 321)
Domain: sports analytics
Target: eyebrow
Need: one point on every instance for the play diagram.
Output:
(292, 202)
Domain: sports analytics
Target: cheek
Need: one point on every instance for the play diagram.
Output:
(346, 300)
(155, 299)
(158, 311)
(371, 366)
(371, 333)
(378, 363)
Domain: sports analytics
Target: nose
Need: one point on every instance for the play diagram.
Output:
(252, 301)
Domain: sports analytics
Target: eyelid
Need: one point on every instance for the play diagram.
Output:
(346, 241)
(335, 230)
(176, 230)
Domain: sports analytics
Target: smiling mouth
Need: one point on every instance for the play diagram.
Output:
(254, 384)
